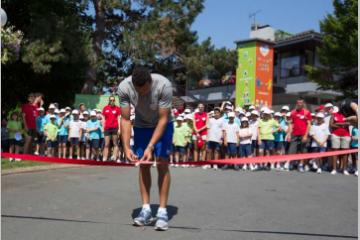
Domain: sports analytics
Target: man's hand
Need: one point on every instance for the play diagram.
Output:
(147, 155)
(304, 139)
(129, 154)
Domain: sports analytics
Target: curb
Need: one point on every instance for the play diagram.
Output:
(37, 168)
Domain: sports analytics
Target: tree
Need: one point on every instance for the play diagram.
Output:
(338, 54)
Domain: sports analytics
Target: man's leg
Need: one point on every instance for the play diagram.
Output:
(164, 180)
(28, 140)
(106, 148)
(145, 183)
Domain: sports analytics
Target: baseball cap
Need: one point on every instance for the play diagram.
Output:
(229, 107)
(211, 113)
(187, 110)
(57, 111)
(263, 109)
(244, 119)
(320, 115)
(285, 108)
(188, 116)
(85, 113)
(321, 107)
(52, 116)
(62, 110)
(288, 114)
(329, 105)
(231, 114)
(238, 109)
(247, 114)
(277, 114)
(75, 111)
(251, 107)
(271, 111)
(336, 109)
(68, 108)
(179, 118)
(52, 106)
(254, 112)
(93, 113)
(267, 111)
(41, 109)
(81, 117)
(98, 110)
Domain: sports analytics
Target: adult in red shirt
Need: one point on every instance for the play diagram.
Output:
(200, 124)
(29, 114)
(111, 123)
(340, 139)
(300, 123)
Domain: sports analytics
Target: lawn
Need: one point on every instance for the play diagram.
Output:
(6, 164)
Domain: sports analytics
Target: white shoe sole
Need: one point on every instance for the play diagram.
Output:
(161, 228)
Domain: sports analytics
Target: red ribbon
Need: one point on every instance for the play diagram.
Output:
(267, 159)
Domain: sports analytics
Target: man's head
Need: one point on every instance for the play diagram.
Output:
(82, 107)
(141, 79)
(217, 113)
(31, 97)
(201, 107)
(300, 103)
(112, 101)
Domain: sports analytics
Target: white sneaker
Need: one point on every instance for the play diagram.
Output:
(36, 153)
(236, 167)
(78, 158)
(251, 166)
(176, 165)
(333, 172)
(11, 159)
(319, 170)
(356, 173)
(244, 167)
(307, 168)
(215, 167)
(315, 166)
(17, 159)
(345, 172)
(272, 166)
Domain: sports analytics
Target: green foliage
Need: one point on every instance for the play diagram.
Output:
(10, 44)
(338, 54)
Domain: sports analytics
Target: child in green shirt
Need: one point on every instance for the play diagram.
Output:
(180, 139)
(51, 130)
(15, 129)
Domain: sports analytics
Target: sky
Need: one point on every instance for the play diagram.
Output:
(226, 21)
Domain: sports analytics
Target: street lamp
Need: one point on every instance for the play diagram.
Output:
(3, 17)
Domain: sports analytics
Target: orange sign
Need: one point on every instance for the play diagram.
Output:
(264, 74)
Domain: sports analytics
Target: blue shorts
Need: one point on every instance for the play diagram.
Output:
(15, 142)
(231, 149)
(318, 149)
(254, 145)
(95, 143)
(40, 139)
(245, 150)
(51, 144)
(162, 148)
(74, 141)
(278, 146)
(213, 146)
(190, 146)
(180, 149)
(267, 145)
(62, 139)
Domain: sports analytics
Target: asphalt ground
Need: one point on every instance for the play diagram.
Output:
(99, 202)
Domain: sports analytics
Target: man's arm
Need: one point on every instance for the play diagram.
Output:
(125, 125)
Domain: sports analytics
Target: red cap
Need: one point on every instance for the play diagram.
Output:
(320, 108)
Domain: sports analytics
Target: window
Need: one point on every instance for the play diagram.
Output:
(290, 66)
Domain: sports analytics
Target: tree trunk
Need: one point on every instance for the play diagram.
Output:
(97, 40)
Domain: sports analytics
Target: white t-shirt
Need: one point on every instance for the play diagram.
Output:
(253, 125)
(321, 132)
(74, 128)
(327, 120)
(243, 133)
(231, 132)
(215, 127)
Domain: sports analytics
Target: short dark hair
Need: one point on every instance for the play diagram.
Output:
(140, 76)
(217, 109)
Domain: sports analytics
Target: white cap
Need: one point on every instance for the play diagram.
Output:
(179, 118)
(238, 109)
(277, 114)
(182, 115)
(85, 113)
(75, 111)
(244, 119)
(98, 110)
(247, 114)
(251, 107)
(329, 105)
(285, 108)
(267, 111)
(62, 110)
(57, 111)
(41, 109)
(272, 111)
(52, 106)
(81, 117)
(288, 114)
(211, 113)
(231, 114)
(254, 112)
(320, 115)
(68, 108)
(187, 110)
(93, 113)
(336, 109)
(52, 116)
(229, 107)
(189, 116)
(263, 109)
(132, 117)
